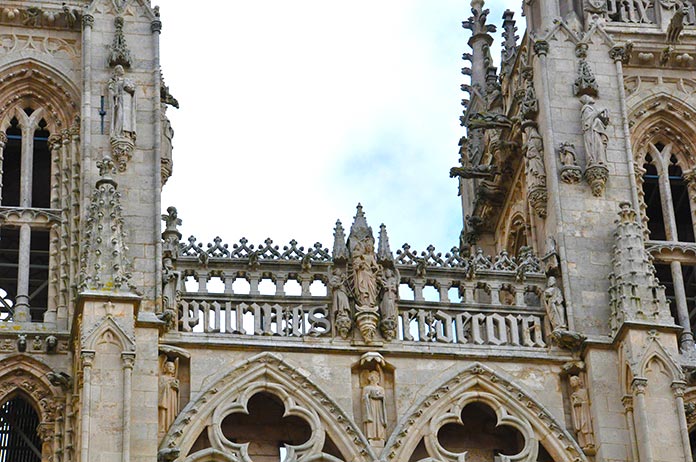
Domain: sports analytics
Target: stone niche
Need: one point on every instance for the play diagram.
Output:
(374, 404)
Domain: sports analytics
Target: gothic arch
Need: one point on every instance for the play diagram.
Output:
(231, 390)
(31, 83)
(107, 326)
(25, 376)
(512, 405)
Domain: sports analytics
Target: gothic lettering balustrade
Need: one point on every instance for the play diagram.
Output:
(477, 301)
(644, 11)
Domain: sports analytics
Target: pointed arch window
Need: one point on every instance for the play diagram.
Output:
(668, 208)
(25, 202)
(19, 439)
(668, 211)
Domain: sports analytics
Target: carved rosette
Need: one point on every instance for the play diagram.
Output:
(597, 175)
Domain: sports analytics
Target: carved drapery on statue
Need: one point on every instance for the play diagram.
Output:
(596, 140)
(123, 108)
(366, 278)
(168, 402)
(534, 170)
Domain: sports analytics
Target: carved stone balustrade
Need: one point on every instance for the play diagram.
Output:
(465, 301)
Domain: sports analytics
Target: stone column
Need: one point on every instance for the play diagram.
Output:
(627, 401)
(87, 357)
(618, 54)
(686, 338)
(690, 179)
(128, 358)
(541, 49)
(156, 28)
(21, 312)
(678, 389)
(3, 143)
(641, 413)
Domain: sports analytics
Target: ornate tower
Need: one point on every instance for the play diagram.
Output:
(595, 119)
(84, 154)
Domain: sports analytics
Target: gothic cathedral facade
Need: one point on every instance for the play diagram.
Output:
(558, 329)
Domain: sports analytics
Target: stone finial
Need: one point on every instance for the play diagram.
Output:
(119, 52)
(104, 264)
(340, 251)
(359, 229)
(509, 49)
(384, 253)
(635, 293)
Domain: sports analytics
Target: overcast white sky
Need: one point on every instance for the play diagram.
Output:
(292, 112)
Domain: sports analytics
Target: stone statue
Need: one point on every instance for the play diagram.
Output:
(168, 404)
(582, 419)
(341, 304)
(594, 128)
(553, 302)
(374, 409)
(365, 271)
(388, 309)
(122, 98)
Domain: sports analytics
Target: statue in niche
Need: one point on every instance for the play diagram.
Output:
(171, 280)
(122, 98)
(341, 304)
(168, 403)
(365, 270)
(534, 157)
(374, 409)
(553, 303)
(388, 310)
(582, 419)
(570, 172)
(594, 128)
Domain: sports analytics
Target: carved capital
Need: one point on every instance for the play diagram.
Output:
(541, 47)
(678, 388)
(46, 430)
(156, 26)
(3, 140)
(87, 357)
(627, 402)
(638, 385)
(617, 53)
(128, 358)
(87, 21)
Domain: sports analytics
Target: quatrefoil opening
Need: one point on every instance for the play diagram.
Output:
(265, 430)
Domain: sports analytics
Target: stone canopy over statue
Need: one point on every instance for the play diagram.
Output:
(366, 278)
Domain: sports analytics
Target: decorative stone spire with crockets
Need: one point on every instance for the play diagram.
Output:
(104, 265)
(635, 293)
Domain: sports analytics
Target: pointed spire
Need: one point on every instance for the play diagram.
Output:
(509, 49)
(635, 292)
(340, 251)
(119, 52)
(384, 253)
(104, 265)
(360, 230)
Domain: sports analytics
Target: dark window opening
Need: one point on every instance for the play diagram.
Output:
(265, 428)
(11, 168)
(9, 264)
(41, 174)
(664, 275)
(19, 439)
(479, 435)
(38, 274)
(689, 273)
(653, 203)
(680, 203)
